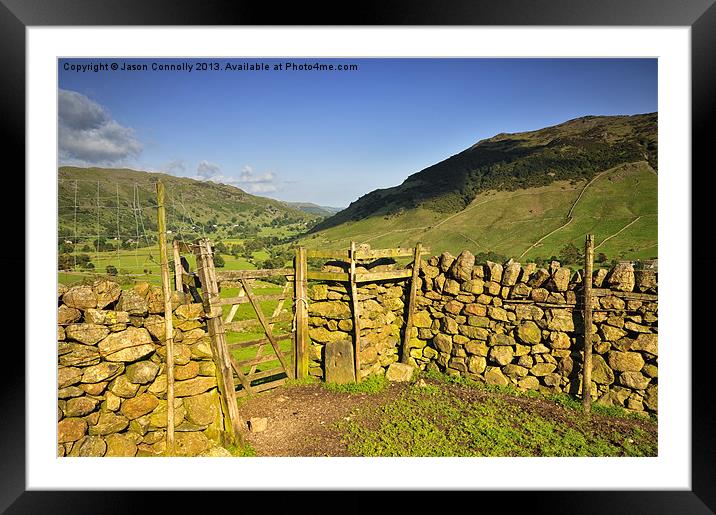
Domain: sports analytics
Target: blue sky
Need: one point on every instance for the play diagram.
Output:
(326, 137)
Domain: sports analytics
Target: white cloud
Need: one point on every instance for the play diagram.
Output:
(265, 183)
(89, 136)
(208, 170)
(175, 167)
(248, 181)
(261, 188)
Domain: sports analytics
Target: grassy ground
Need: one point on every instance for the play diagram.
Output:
(510, 222)
(454, 417)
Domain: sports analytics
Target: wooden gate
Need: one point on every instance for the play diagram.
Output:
(254, 351)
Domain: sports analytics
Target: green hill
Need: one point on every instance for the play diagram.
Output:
(127, 200)
(574, 150)
(523, 195)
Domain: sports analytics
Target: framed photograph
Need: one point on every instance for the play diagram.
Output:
(374, 119)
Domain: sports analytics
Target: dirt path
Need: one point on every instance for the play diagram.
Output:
(545, 237)
(302, 419)
(619, 231)
(569, 215)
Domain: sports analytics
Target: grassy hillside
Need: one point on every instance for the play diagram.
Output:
(574, 151)
(249, 230)
(127, 199)
(512, 223)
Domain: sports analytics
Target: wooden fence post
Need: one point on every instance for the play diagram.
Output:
(587, 370)
(215, 326)
(178, 279)
(169, 330)
(356, 311)
(411, 304)
(301, 304)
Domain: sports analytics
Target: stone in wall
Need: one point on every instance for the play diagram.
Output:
(621, 277)
(461, 269)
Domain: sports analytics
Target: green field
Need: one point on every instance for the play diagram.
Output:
(510, 222)
(131, 265)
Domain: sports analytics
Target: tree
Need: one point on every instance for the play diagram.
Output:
(100, 244)
(111, 270)
(219, 261)
(274, 262)
(65, 262)
(571, 254)
(82, 259)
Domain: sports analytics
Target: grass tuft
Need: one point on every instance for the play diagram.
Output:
(371, 384)
(242, 451)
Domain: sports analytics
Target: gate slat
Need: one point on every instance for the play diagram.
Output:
(230, 301)
(257, 341)
(237, 275)
(262, 387)
(266, 373)
(267, 328)
(243, 324)
(234, 309)
(256, 361)
(242, 377)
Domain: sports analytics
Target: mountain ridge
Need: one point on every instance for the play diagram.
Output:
(576, 149)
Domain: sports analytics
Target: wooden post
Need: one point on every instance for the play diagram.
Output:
(215, 326)
(587, 371)
(169, 330)
(411, 304)
(301, 303)
(178, 270)
(356, 311)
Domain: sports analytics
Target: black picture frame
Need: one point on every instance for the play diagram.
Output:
(699, 15)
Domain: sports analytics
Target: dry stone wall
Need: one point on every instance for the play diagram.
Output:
(506, 324)
(112, 379)
(382, 308)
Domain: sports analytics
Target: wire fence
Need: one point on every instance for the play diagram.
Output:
(110, 228)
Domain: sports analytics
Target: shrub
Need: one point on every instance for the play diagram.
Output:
(65, 262)
(571, 254)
